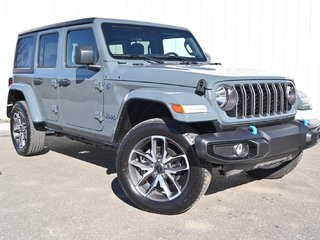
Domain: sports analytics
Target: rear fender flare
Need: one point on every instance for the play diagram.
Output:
(30, 98)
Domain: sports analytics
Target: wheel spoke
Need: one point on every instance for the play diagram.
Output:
(164, 149)
(177, 169)
(165, 187)
(153, 185)
(140, 165)
(144, 155)
(145, 177)
(17, 139)
(17, 120)
(16, 133)
(21, 140)
(176, 185)
(16, 130)
(174, 158)
(154, 147)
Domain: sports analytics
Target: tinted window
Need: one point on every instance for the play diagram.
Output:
(48, 50)
(24, 55)
(82, 37)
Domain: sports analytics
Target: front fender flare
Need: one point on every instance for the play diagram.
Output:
(30, 99)
(169, 97)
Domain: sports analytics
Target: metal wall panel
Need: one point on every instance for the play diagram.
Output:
(280, 36)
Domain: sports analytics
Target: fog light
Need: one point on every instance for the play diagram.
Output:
(233, 151)
(241, 149)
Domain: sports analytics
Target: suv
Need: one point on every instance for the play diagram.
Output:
(149, 92)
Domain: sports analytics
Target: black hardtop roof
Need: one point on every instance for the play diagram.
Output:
(59, 25)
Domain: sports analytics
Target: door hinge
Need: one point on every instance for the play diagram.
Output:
(55, 109)
(99, 85)
(99, 116)
(37, 81)
(54, 83)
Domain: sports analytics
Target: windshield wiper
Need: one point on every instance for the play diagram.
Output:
(216, 63)
(183, 60)
(143, 57)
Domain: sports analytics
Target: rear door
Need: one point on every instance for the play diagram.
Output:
(80, 89)
(46, 75)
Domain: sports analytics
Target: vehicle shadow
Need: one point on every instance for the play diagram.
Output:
(221, 183)
(106, 159)
(99, 156)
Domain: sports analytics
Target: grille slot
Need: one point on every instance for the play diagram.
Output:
(260, 100)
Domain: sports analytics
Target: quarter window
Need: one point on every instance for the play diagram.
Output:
(48, 50)
(83, 37)
(24, 55)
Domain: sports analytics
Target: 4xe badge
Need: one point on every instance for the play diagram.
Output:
(110, 117)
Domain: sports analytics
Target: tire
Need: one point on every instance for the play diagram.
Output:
(278, 171)
(164, 185)
(26, 139)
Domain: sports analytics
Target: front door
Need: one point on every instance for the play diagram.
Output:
(80, 89)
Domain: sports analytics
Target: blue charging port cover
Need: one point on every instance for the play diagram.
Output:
(253, 129)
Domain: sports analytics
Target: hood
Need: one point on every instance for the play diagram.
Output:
(189, 75)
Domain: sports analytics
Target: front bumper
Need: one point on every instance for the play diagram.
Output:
(282, 141)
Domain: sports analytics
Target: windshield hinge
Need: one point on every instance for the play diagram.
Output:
(201, 87)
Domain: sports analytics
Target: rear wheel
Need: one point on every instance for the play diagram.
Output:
(26, 139)
(278, 171)
(158, 169)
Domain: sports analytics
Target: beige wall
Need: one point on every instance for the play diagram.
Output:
(281, 36)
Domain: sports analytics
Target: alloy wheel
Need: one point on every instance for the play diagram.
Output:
(159, 168)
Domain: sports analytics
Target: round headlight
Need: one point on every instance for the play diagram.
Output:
(291, 94)
(226, 97)
(221, 96)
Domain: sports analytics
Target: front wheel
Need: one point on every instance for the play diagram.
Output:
(158, 169)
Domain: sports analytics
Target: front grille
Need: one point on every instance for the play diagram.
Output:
(260, 100)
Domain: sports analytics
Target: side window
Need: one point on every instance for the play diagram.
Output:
(83, 37)
(24, 54)
(48, 50)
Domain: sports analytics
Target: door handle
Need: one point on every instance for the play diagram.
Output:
(37, 81)
(64, 82)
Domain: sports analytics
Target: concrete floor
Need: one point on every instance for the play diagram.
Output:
(72, 192)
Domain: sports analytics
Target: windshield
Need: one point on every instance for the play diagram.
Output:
(126, 41)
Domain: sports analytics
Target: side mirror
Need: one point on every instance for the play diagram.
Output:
(84, 55)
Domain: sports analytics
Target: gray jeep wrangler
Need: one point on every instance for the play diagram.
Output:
(149, 92)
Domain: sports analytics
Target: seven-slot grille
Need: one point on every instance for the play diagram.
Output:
(260, 99)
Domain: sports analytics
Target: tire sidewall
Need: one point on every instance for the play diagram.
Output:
(193, 187)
